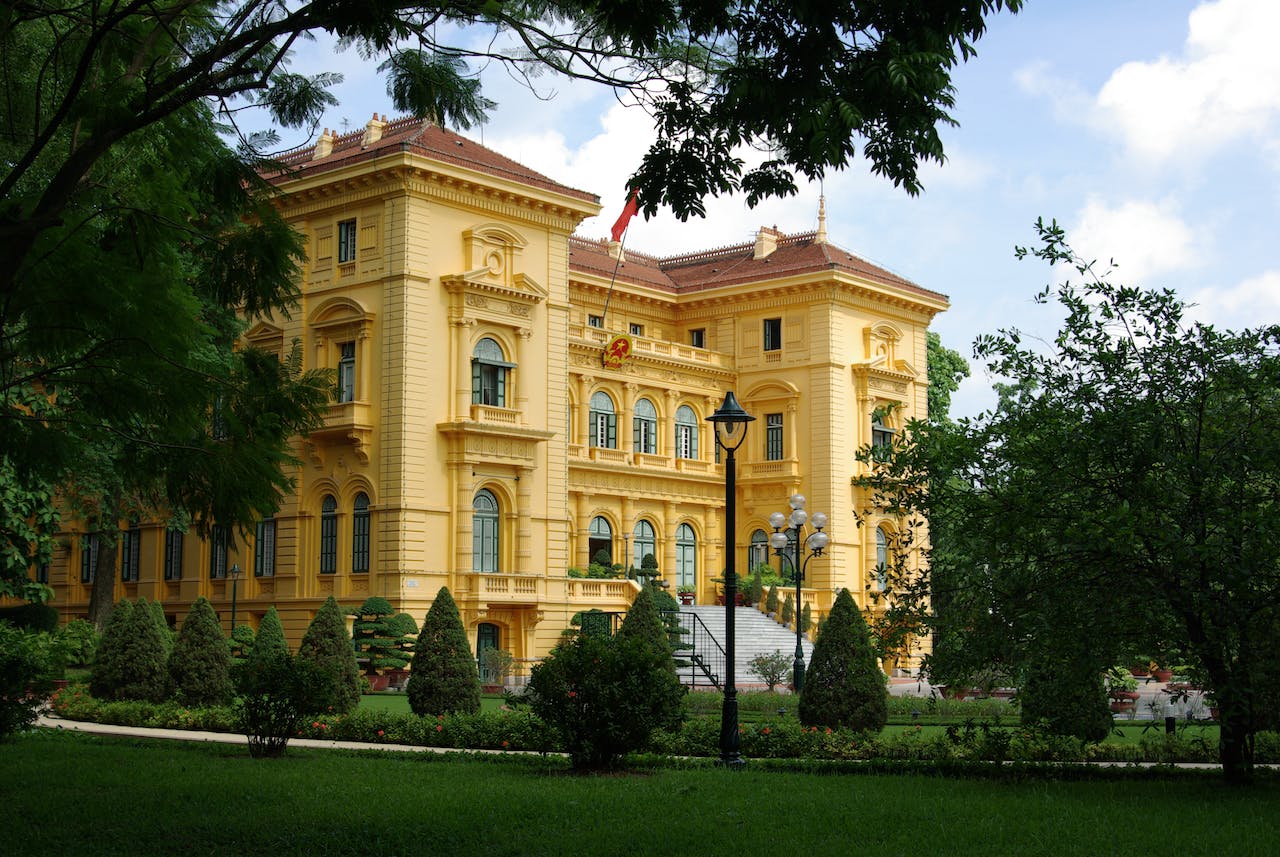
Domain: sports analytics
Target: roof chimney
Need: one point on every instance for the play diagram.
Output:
(373, 131)
(324, 145)
(766, 241)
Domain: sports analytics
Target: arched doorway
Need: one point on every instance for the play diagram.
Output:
(600, 539)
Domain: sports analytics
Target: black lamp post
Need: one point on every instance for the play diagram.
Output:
(235, 580)
(731, 427)
(814, 545)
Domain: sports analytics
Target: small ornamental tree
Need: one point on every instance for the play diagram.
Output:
(275, 691)
(772, 668)
(771, 603)
(757, 586)
(605, 696)
(788, 610)
(805, 618)
(144, 659)
(106, 674)
(377, 637)
(843, 687)
(200, 663)
(643, 622)
(328, 646)
(443, 678)
(270, 638)
(668, 610)
(1067, 698)
(407, 630)
(80, 641)
(166, 633)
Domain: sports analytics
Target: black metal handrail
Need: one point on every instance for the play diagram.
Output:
(698, 646)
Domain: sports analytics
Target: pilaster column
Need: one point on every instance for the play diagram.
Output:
(626, 430)
(520, 391)
(524, 520)
(582, 550)
(584, 409)
(667, 425)
(461, 332)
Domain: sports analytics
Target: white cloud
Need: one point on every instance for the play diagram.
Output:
(1250, 303)
(1222, 89)
(1143, 238)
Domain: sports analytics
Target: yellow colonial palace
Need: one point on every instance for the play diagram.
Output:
(477, 438)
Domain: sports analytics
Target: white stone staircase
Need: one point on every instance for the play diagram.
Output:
(755, 633)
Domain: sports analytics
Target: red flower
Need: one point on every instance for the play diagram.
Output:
(381, 733)
(765, 730)
(815, 729)
(439, 728)
(572, 694)
(315, 724)
(505, 744)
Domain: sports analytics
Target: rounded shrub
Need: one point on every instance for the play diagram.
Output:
(200, 663)
(443, 678)
(143, 659)
(106, 674)
(843, 686)
(1066, 699)
(604, 697)
(327, 647)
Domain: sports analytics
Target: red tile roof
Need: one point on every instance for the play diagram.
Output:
(427, 139)
(726, 266)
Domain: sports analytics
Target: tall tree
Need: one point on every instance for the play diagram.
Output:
(946, 369)
(1122, 496)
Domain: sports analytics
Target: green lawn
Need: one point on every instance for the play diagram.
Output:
(75, 794)
(398, 703)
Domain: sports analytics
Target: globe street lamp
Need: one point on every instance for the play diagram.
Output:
(814, 545)
(731, 428)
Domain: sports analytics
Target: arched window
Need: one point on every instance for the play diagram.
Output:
(759, 549)
(643, 542)
(604, 422)
(601, 538)
(646, 427)
(329, 535)
(484, 531)
(882, 559)
(489, 368)
(360, 534)
(686, 433)
(686, 556)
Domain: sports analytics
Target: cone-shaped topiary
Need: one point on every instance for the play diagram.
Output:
(144, 663)
(443, 678)
(200, 664)
(805, 619)
(166, 633)
(788, 610)
(105, 676)
(269, 641)
(757, 586)
(327, 646)
(643, 622)
(843, 686)
(771, 603)
(377, 636)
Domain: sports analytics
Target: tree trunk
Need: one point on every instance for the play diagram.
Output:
(102, 598)
(1235, 746)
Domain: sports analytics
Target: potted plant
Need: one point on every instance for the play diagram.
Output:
(686, 593)
(1140, 666)
(379, 641)
(1122, 688)
(495, 665)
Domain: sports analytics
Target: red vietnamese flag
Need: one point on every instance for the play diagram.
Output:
(628, 211)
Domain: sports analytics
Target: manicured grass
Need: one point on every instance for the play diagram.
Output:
(398, 703)
(75, 794)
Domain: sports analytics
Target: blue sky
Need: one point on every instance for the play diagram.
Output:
(1150, 129)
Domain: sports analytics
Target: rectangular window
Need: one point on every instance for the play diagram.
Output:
(360, 542)
(218, 538)
(488, 384)
(88, 558)
(42, 573)
(772, 334)
(346, 241)
(264, 549)
(881, 441)
(347, 372)
(595, 321)
(604, 430)
(773, 437)
(698, 337)
(636, 329)
(686, 442)
(173, 555)
(130, 554)
(646, 440)
(329, 544)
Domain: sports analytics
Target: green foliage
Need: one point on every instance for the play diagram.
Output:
(270, 639)
(604, 696)
(946, 369)
(602, 557)
(495, 665)
(108, 669)
(162, 624)
(378, 638)
(275, 694)
(757, 586)
(772, 603)
(200, 663)
(241, 642)
(1066, 698)
(788, 610)
(143, 658)
(327, 646)
(25, 673)
(443, 677)
(80, 640)
(772, 668)
(843, 686)
(805, 618)
(649, 563)
(643, 622)
(31, 617)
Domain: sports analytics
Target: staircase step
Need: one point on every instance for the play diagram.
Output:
(754, 633)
